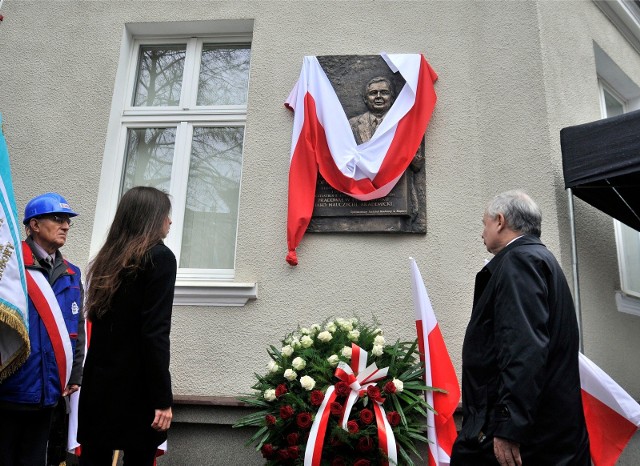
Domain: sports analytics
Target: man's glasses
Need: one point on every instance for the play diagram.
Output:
(59, 220)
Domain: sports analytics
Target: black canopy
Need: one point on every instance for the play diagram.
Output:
(601, 165)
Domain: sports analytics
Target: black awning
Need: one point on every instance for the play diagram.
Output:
(601, 164)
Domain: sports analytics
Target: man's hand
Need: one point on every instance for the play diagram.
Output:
(162, 421)
(507, 453)
(70, 389)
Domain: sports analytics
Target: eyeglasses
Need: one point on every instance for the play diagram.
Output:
(59, 220)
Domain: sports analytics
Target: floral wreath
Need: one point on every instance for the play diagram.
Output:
(326, 400)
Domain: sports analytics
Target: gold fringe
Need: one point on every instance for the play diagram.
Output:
(9, 318)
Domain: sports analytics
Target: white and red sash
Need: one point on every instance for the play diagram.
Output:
(49, 311)
(323, 140)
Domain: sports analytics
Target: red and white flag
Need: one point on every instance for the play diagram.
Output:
(611, 414)
(323, 142)
(439, 373)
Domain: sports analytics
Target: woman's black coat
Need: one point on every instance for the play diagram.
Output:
(126, 374)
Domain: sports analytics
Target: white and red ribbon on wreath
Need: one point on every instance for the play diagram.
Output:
(359, 377)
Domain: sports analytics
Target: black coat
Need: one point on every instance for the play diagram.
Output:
(520, 378)
(126, 374)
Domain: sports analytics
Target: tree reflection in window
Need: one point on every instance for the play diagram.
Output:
(213, 189)
(149, 158)
(159, 77)
(224, 75)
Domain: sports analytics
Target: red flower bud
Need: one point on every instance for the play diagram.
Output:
(286, 412)
(267, 451)
(366, 416)
(336, 408)
(374, 393)
(362, 462)
(338, 461)
(293, 438)
(389, 387)
(294, 452)
(270, 420)
(281, 390)
(352, 427)
(394, 418)
(342, 389)
(365, 444)
(316, 398)
(303, 420)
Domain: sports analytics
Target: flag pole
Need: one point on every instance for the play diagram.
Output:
(574, 267)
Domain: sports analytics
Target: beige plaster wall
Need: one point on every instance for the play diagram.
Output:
(491, 131)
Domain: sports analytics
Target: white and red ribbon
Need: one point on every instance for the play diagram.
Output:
(49, 310)
(359, 377)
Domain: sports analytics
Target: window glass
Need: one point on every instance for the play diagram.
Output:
(149, 158)
(213, 189)
(159, 76)
(224, 75)
(612, 105)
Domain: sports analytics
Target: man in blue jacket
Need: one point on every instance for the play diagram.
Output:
(521, 398)
(56, 334)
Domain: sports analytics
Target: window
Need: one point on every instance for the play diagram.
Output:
(618, 94)
(177, 123)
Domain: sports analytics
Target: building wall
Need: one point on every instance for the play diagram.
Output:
(511, 75)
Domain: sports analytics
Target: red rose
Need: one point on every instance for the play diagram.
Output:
(292, 438)
(342, 389)
(316, 398)
(366, 416)
(362, 462)
(270, 420)
(365, 444)
(336, 408)
(294, 452)
(303, 420)
(352, 427)
(281, 390)
(374, 393)
(267, 451)
(389, 387)
(394, 418)
(286, 412)
(283, 454)
(338, 461)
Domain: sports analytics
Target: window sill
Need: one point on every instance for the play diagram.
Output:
(213, 293)
(627, 304)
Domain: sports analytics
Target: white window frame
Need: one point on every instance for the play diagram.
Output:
(612, 79)
(208, 287)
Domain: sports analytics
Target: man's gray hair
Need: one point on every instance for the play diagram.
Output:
(520, 212)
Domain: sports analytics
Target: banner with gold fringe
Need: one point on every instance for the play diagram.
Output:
(14, 325)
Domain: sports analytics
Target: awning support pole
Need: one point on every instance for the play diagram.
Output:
(574, 267)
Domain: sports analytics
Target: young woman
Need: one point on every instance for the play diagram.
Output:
(125, 401)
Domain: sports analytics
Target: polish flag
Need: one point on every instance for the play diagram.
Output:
(323, 142)
(439, 373)
(612, 416)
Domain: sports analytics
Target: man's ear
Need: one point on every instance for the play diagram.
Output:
(502, 224)
(33, 225)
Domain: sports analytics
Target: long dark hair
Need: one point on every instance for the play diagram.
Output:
(137, 226)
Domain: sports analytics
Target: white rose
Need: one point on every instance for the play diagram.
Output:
(295, 343)
(377, 350)
(305, 331)
(270, 394)
(331, 327)
(325, 336)
(354, 335)
(354, 320)
(333, 360)
(346, 325)
(273, 366)
(379, 340)
(299, 363)
(315, 328)
(306, 341)
(377, 331)
(307, 383)
(399, 384)
(287, 350)
(346, 352)
(290, 374)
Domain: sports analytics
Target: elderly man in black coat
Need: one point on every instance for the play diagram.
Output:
(521, 395)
